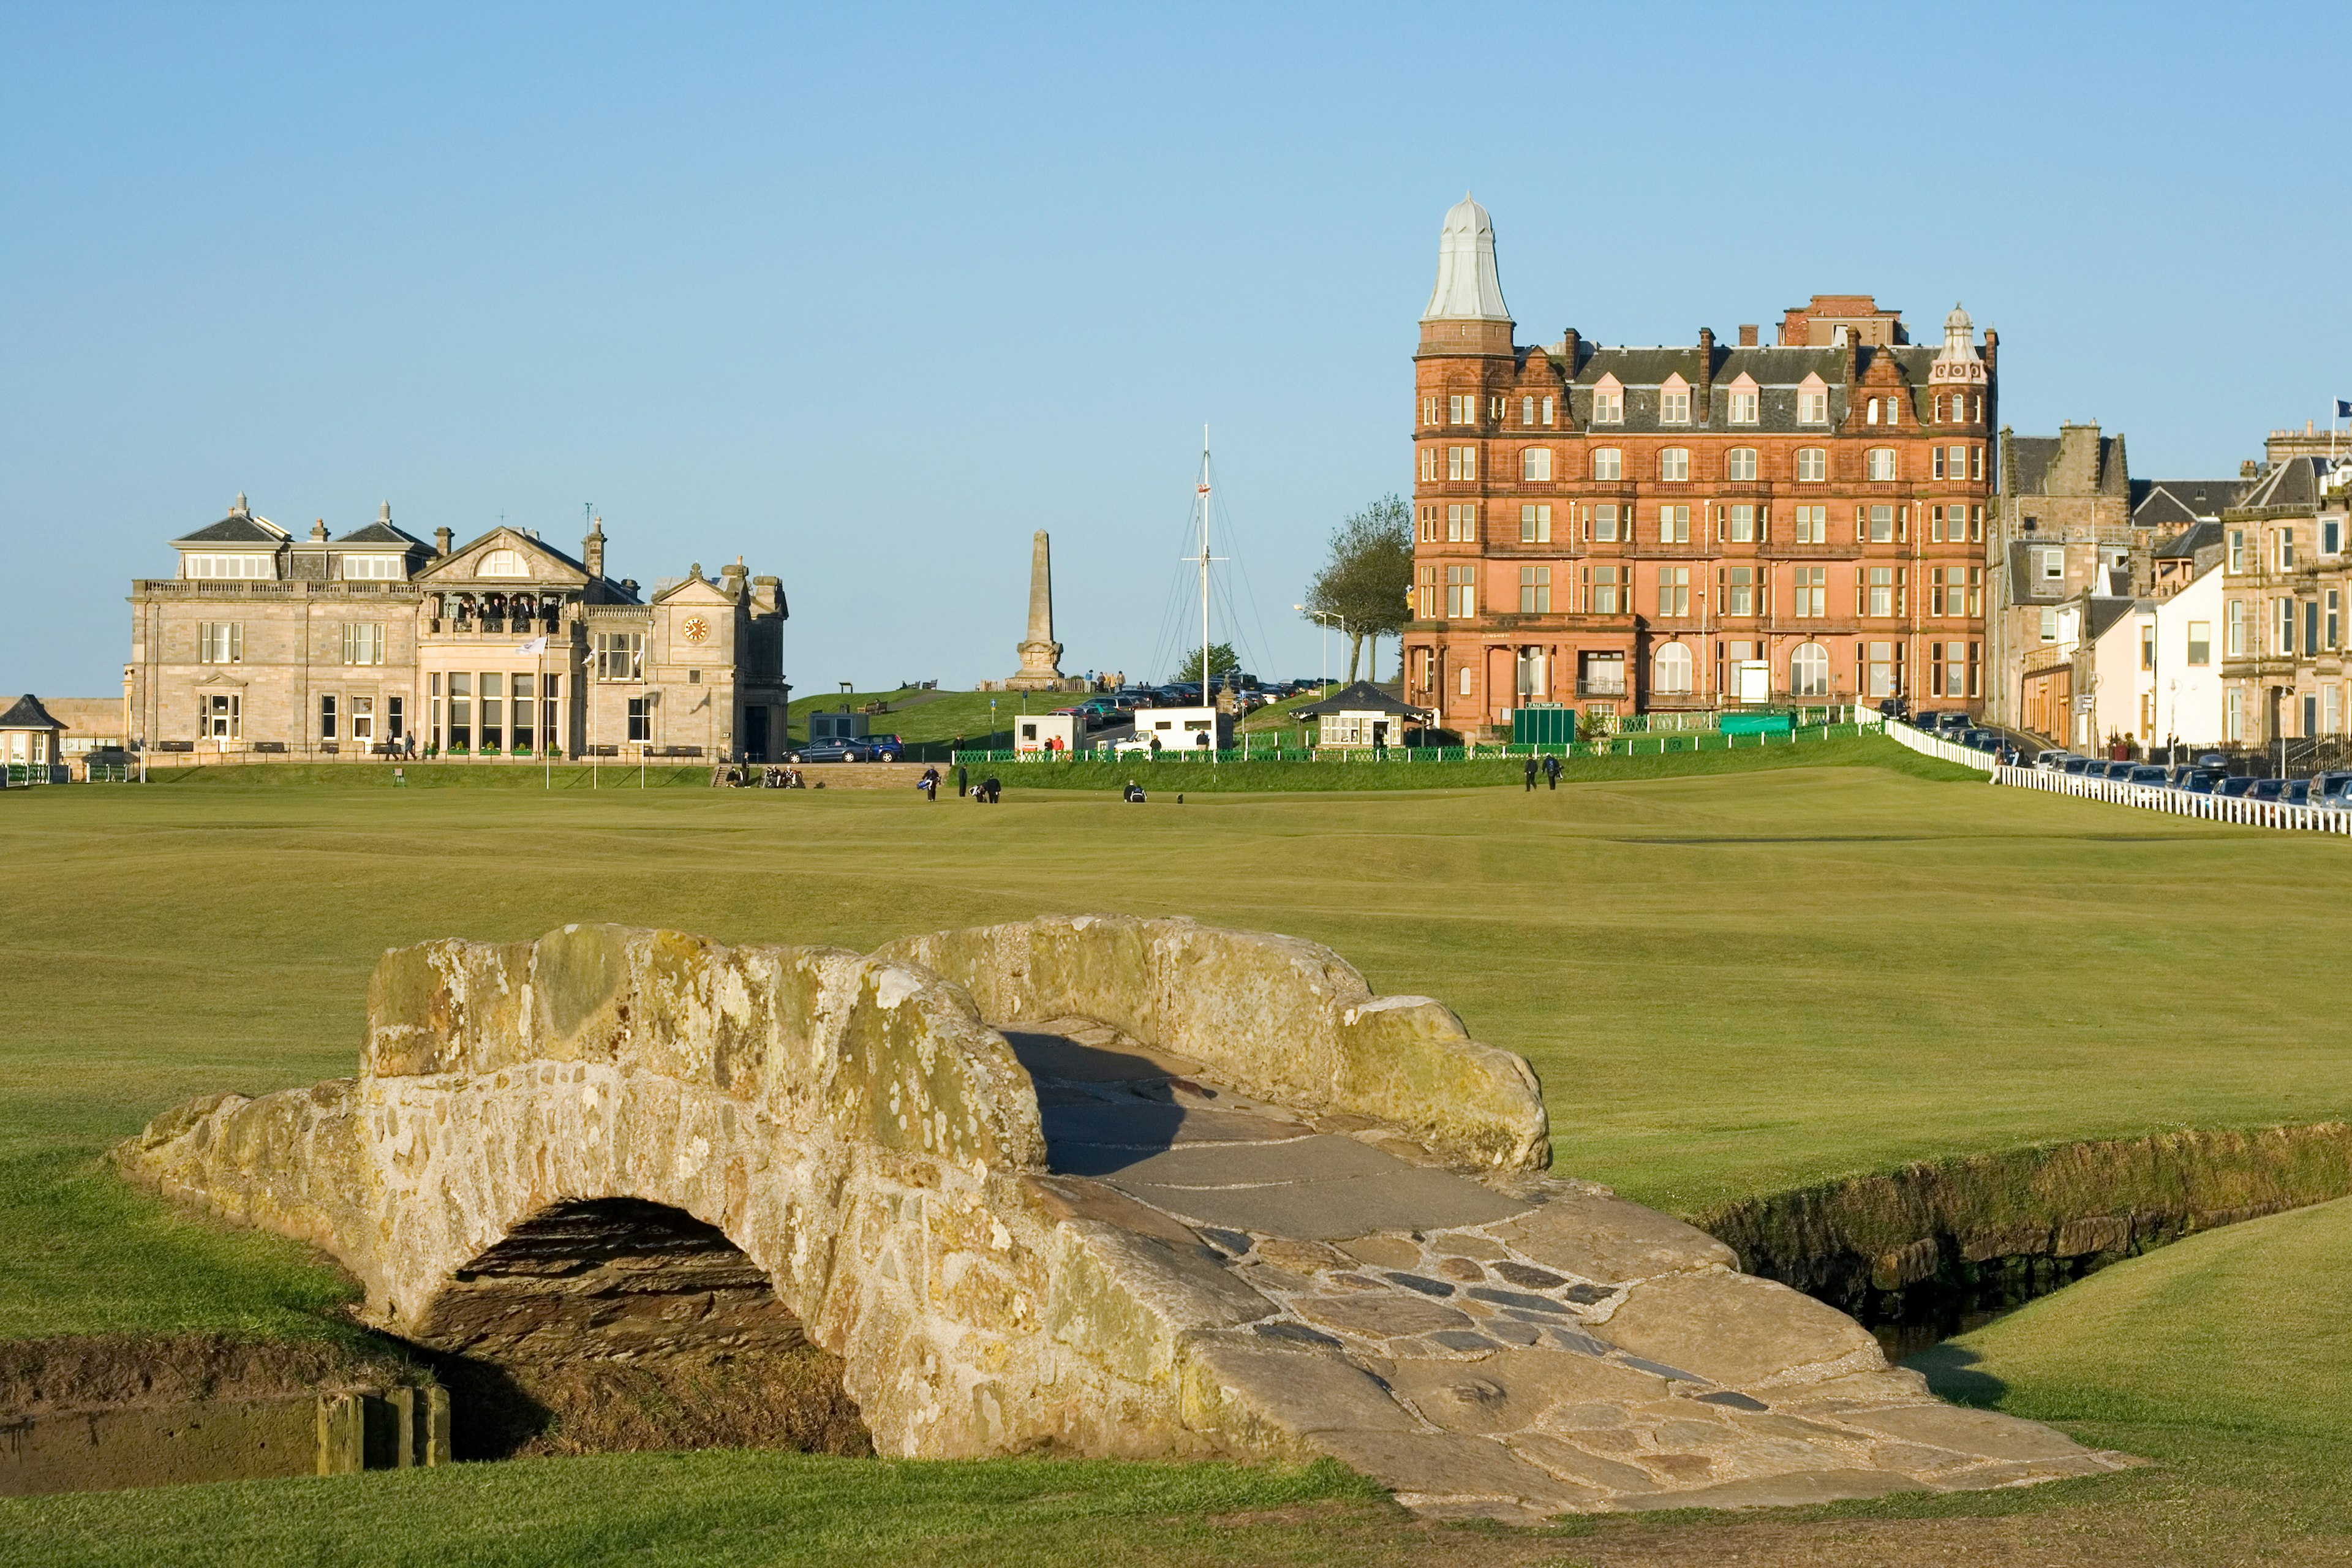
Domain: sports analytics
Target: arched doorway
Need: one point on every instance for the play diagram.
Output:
(601, 1325)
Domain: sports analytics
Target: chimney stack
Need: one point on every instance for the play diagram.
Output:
(1705, 375)
(591, 550)
(440, 541)
(1568, 346)
(1747, 334)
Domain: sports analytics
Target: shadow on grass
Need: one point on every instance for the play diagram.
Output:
(1956, 1373)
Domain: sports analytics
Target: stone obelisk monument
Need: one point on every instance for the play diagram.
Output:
(1040, 656)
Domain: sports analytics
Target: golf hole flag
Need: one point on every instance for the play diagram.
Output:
(535, 645)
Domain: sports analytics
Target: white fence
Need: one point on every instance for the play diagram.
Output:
(2180, 802)
(2114, 792)
(1928, 745)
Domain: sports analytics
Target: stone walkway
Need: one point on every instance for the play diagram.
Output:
(1510, 1347)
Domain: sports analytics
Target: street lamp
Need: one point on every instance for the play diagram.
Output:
(1325, 616)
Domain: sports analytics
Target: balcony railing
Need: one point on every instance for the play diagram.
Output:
(1601, 688)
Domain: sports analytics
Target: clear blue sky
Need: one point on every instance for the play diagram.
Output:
(867, 293)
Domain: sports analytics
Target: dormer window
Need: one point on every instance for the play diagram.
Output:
(246, 565)
(1743, 408)
(356, 568)
(1675, 402)
(1608, 402)
(1812, 402)
(501, 563)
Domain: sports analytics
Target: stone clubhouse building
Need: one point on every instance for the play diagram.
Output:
(1695, 526)
(266, 647)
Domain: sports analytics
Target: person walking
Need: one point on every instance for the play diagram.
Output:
(963, 780)
(1552, 772)
(1531, 775)
(930, 785)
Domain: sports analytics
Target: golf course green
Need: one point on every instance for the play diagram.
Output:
(1735, 977)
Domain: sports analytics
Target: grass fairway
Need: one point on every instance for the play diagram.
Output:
(1731, 981)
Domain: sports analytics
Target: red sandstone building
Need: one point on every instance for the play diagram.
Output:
(1633, 530)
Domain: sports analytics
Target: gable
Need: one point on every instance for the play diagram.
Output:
(503, 556)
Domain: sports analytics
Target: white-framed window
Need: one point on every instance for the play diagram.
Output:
(1535, 464)
(1673, 463)
(1976, 462)
(620, 656)
(2237, 628)
(1462, 409)
(2054, 564)
(1879, 464)
(1881, 592)
(1464, 683)
(1600, 522)
(1813, 524)
(2201, 643)
(1739, 463)
(1743, 407)
(220, 714)
(1461, 592)
(2234, 721)
(1535, 523)
(1546, 411)
(1534, 589)
(1809, 671)
(2236, 549)
(220, 642)
(1608, 406)
(1812, 594)
(362, 642)
(1461, 462)
(1812, 407)
(641, 720)
(2335, 619)
(1881, 525)
(1813, 465)
(212, 566)
(1600, 590)
(361, 568)
(2048, 624)
(1935, 466)
(1673, 591)
(2286, 549)
(1608, 463)
(1429, 411)
(1738, 591)
(1739, 524)
(1461, 523)
(326, 715)
(1674, 405)
(501, 563)
(363, 719)
(1673, 524)
(2283, 641)
(1428, 524)
(1429, 465)
(1881, 667)
(1527, 410)
(1670, 671)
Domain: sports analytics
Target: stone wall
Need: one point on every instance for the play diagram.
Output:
(1273, 1015)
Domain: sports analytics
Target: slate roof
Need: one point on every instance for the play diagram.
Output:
(2101, 611)
(27, 713)
(381, 533)
(236, 528)
(2295, 482)
(2184, 545)
(1363, 697)
(2033, 456)
(1776, 371)
(2164, 503)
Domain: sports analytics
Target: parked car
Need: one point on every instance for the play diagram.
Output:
(2297, 793)
(2235, 788)
(2051, 760)
(1927, 718)
(870, 749)
(2199, 782)
(2148, 774)
(2079, 767)
(1952, 719)
(2267, 789)
(2329, 786)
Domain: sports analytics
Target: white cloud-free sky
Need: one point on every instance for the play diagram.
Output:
(867, 293)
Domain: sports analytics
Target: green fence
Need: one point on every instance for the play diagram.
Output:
(1637, 746)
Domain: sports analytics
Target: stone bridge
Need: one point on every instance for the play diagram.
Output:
(1095, 1186)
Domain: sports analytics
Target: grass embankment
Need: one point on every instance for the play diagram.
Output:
(1732, 983)
(929, 718)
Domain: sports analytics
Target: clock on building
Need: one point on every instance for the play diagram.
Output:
(697, 629)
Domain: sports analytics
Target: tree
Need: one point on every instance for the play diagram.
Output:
(1222, 660)
(1368, 580)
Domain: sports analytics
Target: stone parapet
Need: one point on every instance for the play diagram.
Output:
(1276, 1016)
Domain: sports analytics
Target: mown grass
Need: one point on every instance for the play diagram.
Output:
(1731, 981)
